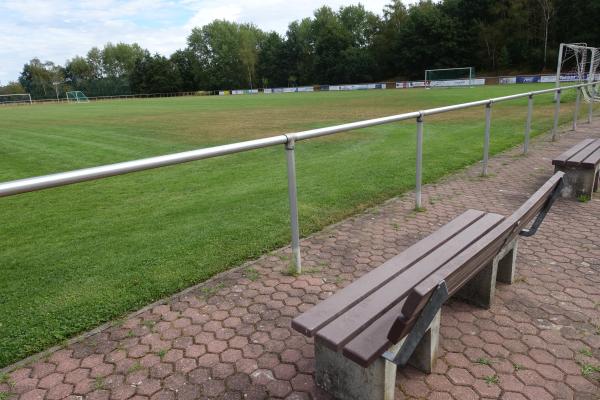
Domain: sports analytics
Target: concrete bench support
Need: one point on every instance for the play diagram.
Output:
(480, 290)
(346, 380)
(579, 181)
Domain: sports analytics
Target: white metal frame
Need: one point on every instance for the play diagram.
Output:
(594, 52)
(76, 98)
(290, 141)
(470, 69)
(17, 94)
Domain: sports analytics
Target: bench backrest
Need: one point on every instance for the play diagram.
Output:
(462, 268)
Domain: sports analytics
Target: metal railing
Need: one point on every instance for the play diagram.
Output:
(290, 140)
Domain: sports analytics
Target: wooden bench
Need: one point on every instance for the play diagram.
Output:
(390, 316)
(581, 164)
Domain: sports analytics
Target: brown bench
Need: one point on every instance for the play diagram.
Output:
(581, 164)
(390, 316)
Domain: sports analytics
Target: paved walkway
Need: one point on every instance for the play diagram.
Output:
(231, 338)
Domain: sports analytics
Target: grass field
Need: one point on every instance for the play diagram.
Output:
(74, 257)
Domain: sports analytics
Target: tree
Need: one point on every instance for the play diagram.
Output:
(272, 64)
(155, 74)
(12, 88)
(119, 60)
(218, 49)
(248, 50)
(37, 78)
(300, 53)
(189, 68)
(547, 7)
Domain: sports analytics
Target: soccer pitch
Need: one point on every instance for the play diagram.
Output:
(80, 255)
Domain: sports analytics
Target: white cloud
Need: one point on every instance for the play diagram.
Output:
(61, 29)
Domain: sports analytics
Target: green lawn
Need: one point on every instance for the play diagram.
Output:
(77, 256)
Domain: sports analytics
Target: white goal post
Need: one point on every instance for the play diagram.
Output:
(77, 96)
(15, 98)
(448, 77)
(579, 63)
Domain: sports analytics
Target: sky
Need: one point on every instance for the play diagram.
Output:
(57, 30)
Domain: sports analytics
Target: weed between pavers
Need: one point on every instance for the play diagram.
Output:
(586, 352)
(588, 369)
(5, 378)
(291, 271)
(135, 367)
(518, 367)
(484, 361)
(98, 383)
(491, 379)
(209, 291)
(6, 395)
(161, 353)
(251, 274)
(149, 324)
(583, 198)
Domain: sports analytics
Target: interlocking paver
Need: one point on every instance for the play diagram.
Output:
(234, 341)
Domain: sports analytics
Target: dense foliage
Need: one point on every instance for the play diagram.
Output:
(344, 46)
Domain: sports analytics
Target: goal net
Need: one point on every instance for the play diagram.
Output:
(77, 96)
(450, 77)
(579, 63)
(15, 98)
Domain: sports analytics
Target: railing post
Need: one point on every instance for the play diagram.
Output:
(419, 167)
(528, 124)
(556, 115)
(486, 141)
(293, 196)
(591, 106)
(577, 104)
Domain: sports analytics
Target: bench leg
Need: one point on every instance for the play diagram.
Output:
(578, 182)
(507, 261)
(480, 290)
(345, 380)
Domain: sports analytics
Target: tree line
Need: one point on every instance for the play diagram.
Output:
(348, 45)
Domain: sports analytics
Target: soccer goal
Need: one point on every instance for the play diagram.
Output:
(579, 63)
(450, 77)
(15, 98)
(77, 96)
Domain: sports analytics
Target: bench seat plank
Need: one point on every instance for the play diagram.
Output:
(592, 160)
(578, 158)
(562, 159)
(348, 325)
(329, 309)
(373, 341)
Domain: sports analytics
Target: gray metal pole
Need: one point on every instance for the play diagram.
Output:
(556, 115)
(419, 167)
(591, 106)
(293, 195)
(528, 124)
(577, 104)
(486, 141)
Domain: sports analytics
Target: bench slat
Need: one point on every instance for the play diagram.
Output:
(373, 341)
(329, 309)
(593, 159)
(578, 158)
(562, 159)
(348, 325)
